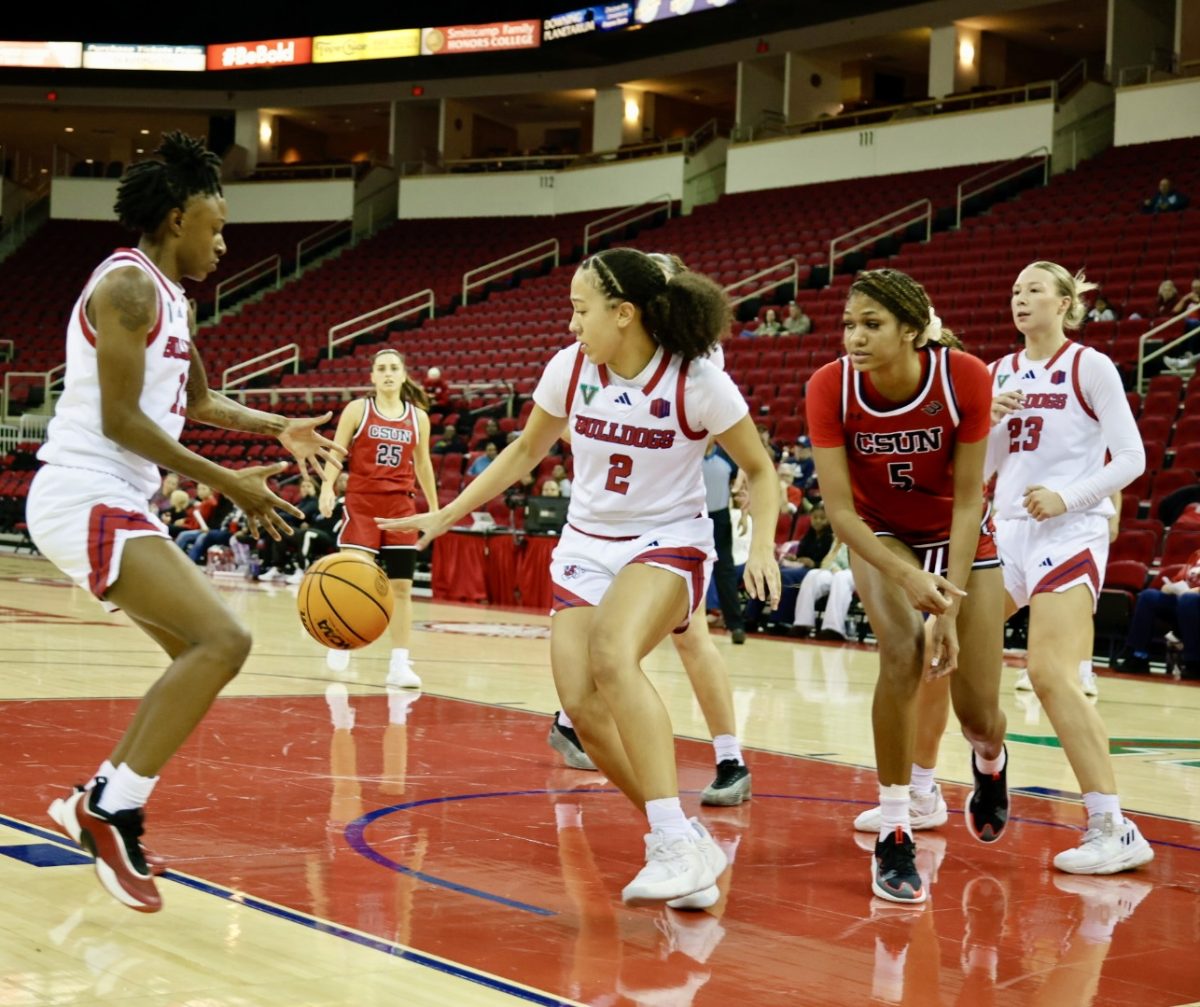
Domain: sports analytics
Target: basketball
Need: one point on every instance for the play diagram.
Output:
(345, 601)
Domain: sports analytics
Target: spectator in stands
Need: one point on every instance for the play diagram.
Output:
(207, 512)
(835, 579)
(161, 500)
(1188, 301)
(450, 443)
(794, 564)
(770, 325)
(764, 435)
(797, 322)
(1168, 294)
(478, 466)
(178, 517)
(1179, 603)
(806, 469)
(718, 472)
(320, 535)
(436, 388)
(564, 484)
(493, 435)
(1102, 311)
(550, 488)
(282, 556)
(1167, 199)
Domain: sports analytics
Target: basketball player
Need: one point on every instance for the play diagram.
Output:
(899, 426)
(387, 437)
(133, 374)
(705, 669)
(631, 564)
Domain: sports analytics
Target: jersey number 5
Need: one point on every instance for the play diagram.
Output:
(900, 475)
(619, 469)
(1024, 433)
(388, 454)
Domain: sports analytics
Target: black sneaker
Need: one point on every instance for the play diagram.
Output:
(986, 813)
(894, 873)
(731, 787)
(566, 742)
(1131, 664)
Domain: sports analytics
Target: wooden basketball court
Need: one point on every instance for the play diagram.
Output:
(330, 844)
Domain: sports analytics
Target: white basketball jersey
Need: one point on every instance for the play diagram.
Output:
(637, 444)
(74, 437)
(1055, 440)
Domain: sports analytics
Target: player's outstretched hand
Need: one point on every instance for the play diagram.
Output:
(308, 447)
(942, 658)
(248, 489)
(430, 525)
(1005, 403)
(762, 579)
(1042, 503)
(928, 592)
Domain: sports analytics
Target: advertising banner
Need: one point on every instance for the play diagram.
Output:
(273, 52)
(659, 10)
(366, 45)
(604, 17)
(139, 56)
(54, 55)
(481, 37)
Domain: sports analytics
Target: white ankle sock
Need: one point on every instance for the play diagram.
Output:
(400, 654)
(1099, 804)
(894, 802)
(666, 815)
(125, 790)
(107, 769)
(922, 779)
(726, 746)
(987, 766)
(563, 719)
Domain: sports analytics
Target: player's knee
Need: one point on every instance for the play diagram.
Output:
(608, 656)
(231, 646)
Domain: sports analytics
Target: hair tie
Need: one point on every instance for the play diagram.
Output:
(933, 331)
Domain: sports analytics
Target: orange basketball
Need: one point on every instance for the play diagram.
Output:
(345, 601)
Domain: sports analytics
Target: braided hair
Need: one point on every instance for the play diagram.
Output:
(905, 298)
(685, 313)
(151, 189)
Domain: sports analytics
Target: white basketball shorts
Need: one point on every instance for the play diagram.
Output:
(80, 520)
(583, 566)
(1052, 555)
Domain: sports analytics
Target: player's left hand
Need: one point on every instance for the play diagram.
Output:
(308, 447)
(762, 578)
(1042, 503)
(942, 658)
(1005, 403)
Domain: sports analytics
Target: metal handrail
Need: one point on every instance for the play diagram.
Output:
(793, 278)
(8, 349)
(32, 426)
(962, 196)
(317, 237)
(530, 256)
(927, 216)
(1067, 82)
(292, 351)
(425, 301)
(49, 378)
(331, 169)
(655, 206)
(1147, 69)
(1144, 358)
(10, 437)
(243, 279)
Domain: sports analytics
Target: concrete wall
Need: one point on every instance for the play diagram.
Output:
(249, 203)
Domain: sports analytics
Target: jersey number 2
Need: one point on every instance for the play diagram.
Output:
(177, 406)
(1024, 434)
(619, 469)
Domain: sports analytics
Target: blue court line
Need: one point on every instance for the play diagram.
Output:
(44, 855)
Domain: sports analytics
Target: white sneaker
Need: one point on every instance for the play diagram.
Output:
(675, 866)
(1023, 683)
(925, 811)
(706, 898)
(296, 576)
(696, 936)
(337, 660)
(401, 676)
(341, 713)
(1087, 679)
(1115, 897)
(1107, 847)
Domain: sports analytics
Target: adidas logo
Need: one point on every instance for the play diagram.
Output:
(652, 545)
(624, 399)
(1029, 375)
(1046, 562)
(1127, 838)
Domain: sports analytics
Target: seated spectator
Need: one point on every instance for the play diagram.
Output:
(835, 579)
(208, 511)
(161, 500)
(1178, 603)
(1167, 199)
(550, 488)
(797, 322)
(1102, 311)
(320, 537)
(493, 435)
(1189, 300)
(1168, 294)
(559, 475)
(178, 517)
(450, 443)
(796, 561)
(282, 557)
(806, 469)
(436, 388)
(770, 325)
(478, 466)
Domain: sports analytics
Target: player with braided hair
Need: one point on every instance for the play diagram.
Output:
(899, 428)
(133, 375)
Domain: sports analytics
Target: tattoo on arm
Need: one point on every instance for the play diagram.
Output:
(221, 411)
(131, 293)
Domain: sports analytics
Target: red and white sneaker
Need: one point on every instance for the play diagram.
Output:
(68, 826)
(114, 841)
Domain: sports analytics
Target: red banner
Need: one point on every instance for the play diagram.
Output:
(250, 55)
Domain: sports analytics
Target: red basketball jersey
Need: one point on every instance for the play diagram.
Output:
(901, 455)
(382, 452)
